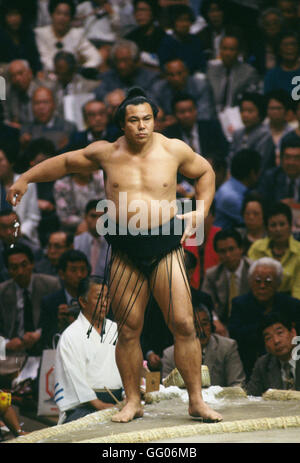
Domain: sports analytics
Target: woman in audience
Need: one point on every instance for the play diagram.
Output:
(253, 211)
(16, 38)
(278, 106)
(280, 245)
(282, 75)
(59, 35)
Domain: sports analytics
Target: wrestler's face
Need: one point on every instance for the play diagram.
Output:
(139, 123)
(278, 340)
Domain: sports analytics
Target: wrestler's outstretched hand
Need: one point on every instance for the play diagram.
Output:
(193, 220)
(17, 191)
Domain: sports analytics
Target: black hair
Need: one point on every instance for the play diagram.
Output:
(280, 95)
(91, 204)
(6, 212)
(69, 237)
(54, 3)
(135, 96)
(291, 142)
(206, 4)
(225, 234)
(276, 317)
(258, 100)
(243, 162)
(181, 96)
(178, 10)
(73, 255)
(189, 259)
(18, 249)
(86, 283)
(150, 3)
(9, 150)
(276, 209)
(66, 56)
(39, 146)
(254, 196)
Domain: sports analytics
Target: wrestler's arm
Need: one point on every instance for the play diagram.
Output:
(194, 166)
(84, 160)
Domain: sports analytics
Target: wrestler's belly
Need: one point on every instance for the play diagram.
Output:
(143, 210)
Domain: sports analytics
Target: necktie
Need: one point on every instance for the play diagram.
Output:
(289, 382)
(95, 251)
(28, 320)
(291, 191)
(233, 292)
(226, 89)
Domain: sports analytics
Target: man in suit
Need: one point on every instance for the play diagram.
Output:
(97, 127)
(56, 308)
(58, 243)
(265, 276)
(178, 80)
(229, 77)
(126, 70)
(93, 245)
(46, 123)
(219, 354)
(20, 301)
(229, 278)
(22, 84)
(283, 182)
(203, 136)
(279, 368)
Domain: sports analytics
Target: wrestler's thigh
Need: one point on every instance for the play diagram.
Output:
(172, 291)
(128, 292)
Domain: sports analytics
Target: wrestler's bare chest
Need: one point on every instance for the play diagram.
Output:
(151, 175)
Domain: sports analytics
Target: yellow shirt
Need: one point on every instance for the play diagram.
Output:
(290, 262)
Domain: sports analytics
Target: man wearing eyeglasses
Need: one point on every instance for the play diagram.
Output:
(265, 277)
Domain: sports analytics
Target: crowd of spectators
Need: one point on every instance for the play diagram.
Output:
(224, 77)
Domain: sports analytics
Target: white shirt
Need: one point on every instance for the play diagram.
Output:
(74, 42)
(101, 26)
(84, 364)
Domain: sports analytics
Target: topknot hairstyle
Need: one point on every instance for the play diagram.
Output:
(135, 96)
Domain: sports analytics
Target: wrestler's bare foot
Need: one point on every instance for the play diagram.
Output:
(202, 410)
(128, 413)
